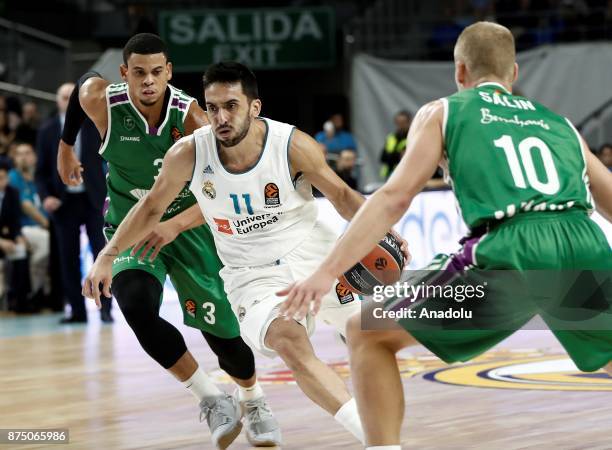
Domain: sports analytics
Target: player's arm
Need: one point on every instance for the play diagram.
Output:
(196, 118)
(305, 156)
(377, 215)
(600, 184)
(176, 171)
(167, 231)
(88, 99)
(30, 210)
(387, 205)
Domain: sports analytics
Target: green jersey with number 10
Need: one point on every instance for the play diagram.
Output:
(508, 155)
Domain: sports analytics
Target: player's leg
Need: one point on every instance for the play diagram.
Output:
(317, 380)
(376, 379)
(235, 358)
(194, 272)
(578, 286)
(373, 340)
(139, 295)
(138, 288)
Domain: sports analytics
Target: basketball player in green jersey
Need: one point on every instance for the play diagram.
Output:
(523, 215)
(139, 120)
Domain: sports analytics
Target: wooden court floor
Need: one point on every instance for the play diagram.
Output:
(96, 381)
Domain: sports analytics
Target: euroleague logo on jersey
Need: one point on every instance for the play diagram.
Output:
(176, 134)
(344, 295)
(271, 196)
(190, 307)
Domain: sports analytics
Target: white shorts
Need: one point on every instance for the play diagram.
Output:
(252, 290)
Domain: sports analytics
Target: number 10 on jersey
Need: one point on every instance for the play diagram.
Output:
(247, 202)
(551, 185)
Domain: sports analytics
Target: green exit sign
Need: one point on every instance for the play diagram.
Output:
(279, 38)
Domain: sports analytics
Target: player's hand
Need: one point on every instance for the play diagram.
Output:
(68, 166)
(403, 247)
(101, 273)
(162, 235)
(51, 204)
(305, 296)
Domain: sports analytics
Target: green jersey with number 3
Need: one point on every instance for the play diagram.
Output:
(507, 155)
(135, 151)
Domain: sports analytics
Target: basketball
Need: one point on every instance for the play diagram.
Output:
(382, 266)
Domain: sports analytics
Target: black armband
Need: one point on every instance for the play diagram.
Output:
(75, 116)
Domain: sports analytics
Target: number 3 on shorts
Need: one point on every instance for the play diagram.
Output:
(209, 313)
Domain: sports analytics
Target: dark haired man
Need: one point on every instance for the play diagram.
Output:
(252, 178)
(140, 119)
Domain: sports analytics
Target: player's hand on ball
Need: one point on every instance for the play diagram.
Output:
(403, 247)
(68, 165)
(162, 235)
(101, 273)
(305, 296)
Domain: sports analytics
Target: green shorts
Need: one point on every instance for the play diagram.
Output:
(193, 266)
(529, 243)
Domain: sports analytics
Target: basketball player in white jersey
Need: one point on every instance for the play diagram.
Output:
(252, 178)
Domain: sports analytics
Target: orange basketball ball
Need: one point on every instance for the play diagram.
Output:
(382, 266)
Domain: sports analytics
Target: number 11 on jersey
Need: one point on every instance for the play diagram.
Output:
(247, 202)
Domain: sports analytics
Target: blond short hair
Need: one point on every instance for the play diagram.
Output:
(487, 49)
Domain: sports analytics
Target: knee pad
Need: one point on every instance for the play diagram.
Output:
(138, 294)
(234, 355)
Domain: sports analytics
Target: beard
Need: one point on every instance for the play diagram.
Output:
(149, 102)
(240, 134)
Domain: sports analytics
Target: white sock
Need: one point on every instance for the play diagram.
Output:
(200, 385)
(250, 393)
(348, 417)
(385, 447)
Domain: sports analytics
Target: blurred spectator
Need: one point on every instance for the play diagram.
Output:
(13, 109)
(11, 153)
(605, 155)
(69, 207)
(345, 167)
(13, 246)
(334, 137)
(34, 222)
(6, 135)
(395, 144)
(30, 121)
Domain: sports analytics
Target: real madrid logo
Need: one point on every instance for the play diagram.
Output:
(208, 189)
(129, 123)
